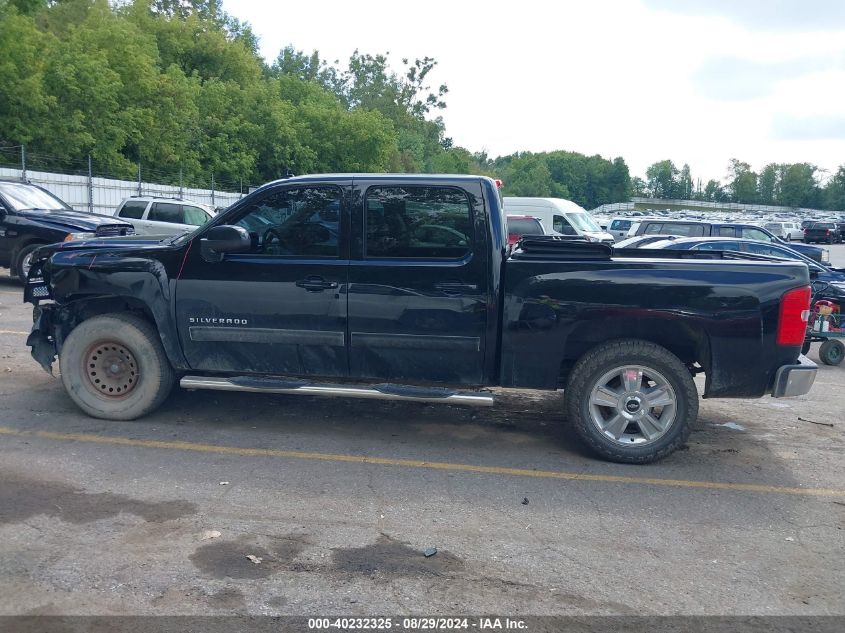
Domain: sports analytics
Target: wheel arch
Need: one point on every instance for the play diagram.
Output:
(690, 344)
(79, 309)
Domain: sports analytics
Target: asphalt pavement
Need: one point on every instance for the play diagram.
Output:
(337, 500)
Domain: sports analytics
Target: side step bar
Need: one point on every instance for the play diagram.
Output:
(374, 392)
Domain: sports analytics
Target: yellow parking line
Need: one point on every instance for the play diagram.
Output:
(13, 332)
(413, 463)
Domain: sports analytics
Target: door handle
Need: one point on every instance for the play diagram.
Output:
(455, 287)
(316, 284)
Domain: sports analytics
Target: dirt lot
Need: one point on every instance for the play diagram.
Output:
(340, 498)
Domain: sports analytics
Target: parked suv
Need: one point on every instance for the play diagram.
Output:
(787, 231)
(31, 216)
(163, 216)
(708, 229)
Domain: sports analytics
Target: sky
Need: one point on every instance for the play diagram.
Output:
(694, 81)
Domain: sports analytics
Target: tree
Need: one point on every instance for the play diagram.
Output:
(742, 182)
(714, 192)
(684, 188)
(768, 184)
(662, 179)
(799, 187)
(834, 191)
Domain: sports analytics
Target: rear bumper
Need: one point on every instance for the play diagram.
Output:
(794, 380)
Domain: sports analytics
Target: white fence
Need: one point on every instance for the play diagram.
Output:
(103, 195)
(644, 204)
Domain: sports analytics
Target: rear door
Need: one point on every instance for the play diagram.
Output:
(418, 290)
(166, 218)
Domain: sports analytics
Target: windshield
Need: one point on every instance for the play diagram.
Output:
(23, 196)
(583, 221)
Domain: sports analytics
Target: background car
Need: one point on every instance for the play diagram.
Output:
(642, 241)
(692, 228)
(163, 216)
(787, 231)
(619, 227)
(834, 277)
(31, 216)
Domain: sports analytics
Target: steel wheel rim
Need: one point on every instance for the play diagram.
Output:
(633, 405)
(110, 369)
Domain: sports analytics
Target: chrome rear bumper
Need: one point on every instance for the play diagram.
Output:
(794, 380)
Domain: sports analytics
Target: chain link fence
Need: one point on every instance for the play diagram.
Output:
(82, 186)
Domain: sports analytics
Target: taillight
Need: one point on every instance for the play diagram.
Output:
(499, 183)
(794, 313)
(828, 231)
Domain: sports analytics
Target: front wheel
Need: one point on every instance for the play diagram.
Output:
(23, 261)
(631, 401)
(114, 367)
(831, 352)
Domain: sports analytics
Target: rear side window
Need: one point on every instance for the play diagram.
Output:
(655, 228)
(418, 222)
(718, 246)
(524, 226)
(133, 210)
(166, 212)
(684, 230)
(727, 231)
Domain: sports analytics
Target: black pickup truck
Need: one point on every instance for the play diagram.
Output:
(402, 287)
(31, 216)
(824, 232)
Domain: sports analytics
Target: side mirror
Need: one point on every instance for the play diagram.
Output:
(223, 239)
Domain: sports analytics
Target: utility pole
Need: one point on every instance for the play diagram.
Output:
(90, 187)
(23, 162)
(181, 192)
(212, 189)
(139, 178)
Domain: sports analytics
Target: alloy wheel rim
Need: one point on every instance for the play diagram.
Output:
(633, 405)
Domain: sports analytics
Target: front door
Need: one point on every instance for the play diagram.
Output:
(418, 289)
(281, 307)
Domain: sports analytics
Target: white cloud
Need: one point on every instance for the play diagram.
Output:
(615, 78)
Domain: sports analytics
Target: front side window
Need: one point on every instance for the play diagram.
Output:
(133, 210)
(764, 249)
(755, 234)
(417, 222)
(558, 223)
(295, 222)
(166, 212)
(194, 215)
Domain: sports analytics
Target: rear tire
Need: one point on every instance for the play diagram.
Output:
(650, 401)
(831, 352)
(114, 367)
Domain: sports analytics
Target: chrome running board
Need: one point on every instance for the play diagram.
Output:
(304, 388)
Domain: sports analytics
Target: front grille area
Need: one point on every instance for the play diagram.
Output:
(115, 230)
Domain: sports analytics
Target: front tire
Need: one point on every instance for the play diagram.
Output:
(114, 367)
(788, 237)
(23, 259)
(631, 401)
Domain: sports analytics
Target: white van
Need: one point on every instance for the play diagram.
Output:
(558, 216)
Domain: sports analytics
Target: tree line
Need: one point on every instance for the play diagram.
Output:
(782, 184)
(179, 87)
